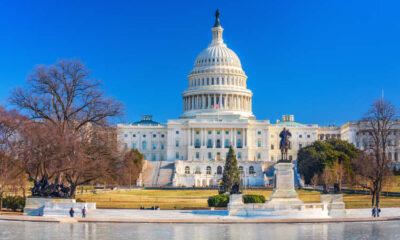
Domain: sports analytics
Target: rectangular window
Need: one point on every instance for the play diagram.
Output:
(300, 145)
(154, 146)
(177, 143)
(272, 146)
(176, 155)
(162, 146)
(209, 155)
(272, 158)
(134, 146)
(197, 155)
(154, 157)
(259, 143)
(162, 157)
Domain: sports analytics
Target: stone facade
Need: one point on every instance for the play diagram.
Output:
(217, 113)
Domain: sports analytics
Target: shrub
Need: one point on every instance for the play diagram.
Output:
(220, 200)
(253, 198)
(14, 202)
(79, 200)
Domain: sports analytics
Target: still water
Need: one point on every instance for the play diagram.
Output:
(114, 231)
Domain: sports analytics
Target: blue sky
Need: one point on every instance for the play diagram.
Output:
(323, 61)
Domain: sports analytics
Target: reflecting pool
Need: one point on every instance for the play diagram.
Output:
(143, 231)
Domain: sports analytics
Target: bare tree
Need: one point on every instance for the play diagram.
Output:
(9, 173)
(66, 106)
(94, 157)
(373, 166)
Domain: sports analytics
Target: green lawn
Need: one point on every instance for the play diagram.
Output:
(180, 199)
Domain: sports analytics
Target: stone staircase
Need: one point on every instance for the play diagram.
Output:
(157, 174)
(165, 174)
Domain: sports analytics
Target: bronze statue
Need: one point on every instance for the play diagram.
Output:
(284, 144)
(42, 188)
(235, 188)
(217, 19)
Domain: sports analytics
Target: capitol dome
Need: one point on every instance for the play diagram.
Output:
(218, 55)
(217, 82)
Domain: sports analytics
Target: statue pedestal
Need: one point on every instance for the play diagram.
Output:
(335, 204)
(36, 206)
(284, 193)
(236, 205)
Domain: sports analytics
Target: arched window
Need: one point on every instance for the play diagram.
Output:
(218, 143)
(219, 170)
(239, 143)
(209, 143)
(251, 170)
(258, 155)
(198, 170)
(187, 170)
(240, 169)
(197, 144)
(144, 145)
(239, 155)
(208, 170)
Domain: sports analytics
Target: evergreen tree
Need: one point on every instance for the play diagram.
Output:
(231, 173)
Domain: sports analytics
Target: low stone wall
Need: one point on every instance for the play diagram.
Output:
(54, 206)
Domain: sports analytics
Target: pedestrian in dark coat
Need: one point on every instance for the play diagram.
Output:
(71, 212)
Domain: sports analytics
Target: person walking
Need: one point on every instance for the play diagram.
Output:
(373, 212)
(71, 212)
(84, 211)
(378, 211)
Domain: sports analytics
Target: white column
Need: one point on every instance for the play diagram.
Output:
(208, 103)
(192, 136)
(244, 137)
(213, 137)
(201, 137)
(250, 105)
(188, 136)
(223, 138)
(220, 100)
(234, 137)
(215, 100)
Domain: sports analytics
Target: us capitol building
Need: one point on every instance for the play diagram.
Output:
(217, 113)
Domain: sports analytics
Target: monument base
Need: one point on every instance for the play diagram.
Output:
(284, 194)
(236, 205)
(54, 206)
(335, 205)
